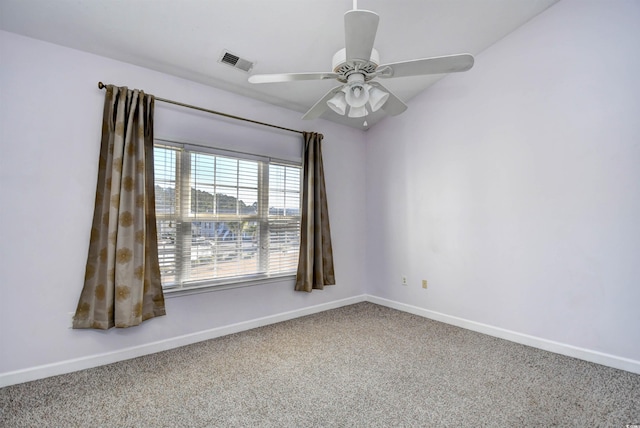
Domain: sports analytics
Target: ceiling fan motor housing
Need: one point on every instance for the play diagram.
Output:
(345, 68)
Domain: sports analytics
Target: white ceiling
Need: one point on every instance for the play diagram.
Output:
(185, 38)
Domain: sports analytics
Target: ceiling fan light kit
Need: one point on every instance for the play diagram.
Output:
(357, 97)
(377, 98)
(358, 111)
(338, 103)
(355, 67)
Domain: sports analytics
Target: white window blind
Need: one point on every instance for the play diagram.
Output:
(224, 217)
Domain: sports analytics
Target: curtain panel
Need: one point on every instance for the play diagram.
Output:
(315, 262)
(122, 284)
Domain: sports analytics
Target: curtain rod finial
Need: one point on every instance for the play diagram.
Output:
(101, 85)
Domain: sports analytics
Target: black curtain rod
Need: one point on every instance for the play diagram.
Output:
(102, 86)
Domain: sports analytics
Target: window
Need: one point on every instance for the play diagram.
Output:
(224, 217)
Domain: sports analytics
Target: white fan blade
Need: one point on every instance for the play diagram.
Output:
(360, 27)
(319, 107)
(290, 77)
(435, 65)
(394, 105)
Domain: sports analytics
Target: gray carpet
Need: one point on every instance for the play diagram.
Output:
(359, 366)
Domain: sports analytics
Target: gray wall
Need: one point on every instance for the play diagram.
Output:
(514, 188)
(50, 119)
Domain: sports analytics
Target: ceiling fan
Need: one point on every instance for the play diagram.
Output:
(355, 67)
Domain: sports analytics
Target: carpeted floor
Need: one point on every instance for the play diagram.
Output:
(359, 366)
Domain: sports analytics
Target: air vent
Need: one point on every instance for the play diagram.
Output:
(235, 61)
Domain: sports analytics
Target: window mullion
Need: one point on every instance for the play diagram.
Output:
(237, 188)
(263, 214)
(215, 186)
(183, 226)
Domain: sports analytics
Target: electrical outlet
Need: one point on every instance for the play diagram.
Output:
(424, 283)
(404, 280)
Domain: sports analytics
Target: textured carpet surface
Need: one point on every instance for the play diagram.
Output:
(359, 366)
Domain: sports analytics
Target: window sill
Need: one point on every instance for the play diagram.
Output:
(170, 293)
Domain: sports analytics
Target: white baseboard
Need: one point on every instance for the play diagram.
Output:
(68, 366)
(621, 363)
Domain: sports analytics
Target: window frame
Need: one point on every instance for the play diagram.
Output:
(262, 218)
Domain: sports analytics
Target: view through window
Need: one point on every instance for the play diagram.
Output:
(224, 218)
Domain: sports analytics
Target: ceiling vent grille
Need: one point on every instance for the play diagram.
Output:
(235, 61)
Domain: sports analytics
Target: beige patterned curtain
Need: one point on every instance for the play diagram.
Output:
(122, 284)
(315, 264)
